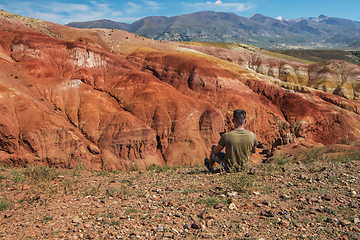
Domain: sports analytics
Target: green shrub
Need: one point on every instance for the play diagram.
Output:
(211, 201)
(46, 219)
(312, 154)
(78, 169)
(240, 181)
(282, 161)
(3, 177)
(157, 168)
(41, 173)
(120, 192)
(349, 157)
(344, 141)
(4, 204)
(18, 176)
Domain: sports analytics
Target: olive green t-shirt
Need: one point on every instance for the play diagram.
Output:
(238, 144)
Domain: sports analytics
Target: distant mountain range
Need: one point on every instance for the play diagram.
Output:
(266, 32)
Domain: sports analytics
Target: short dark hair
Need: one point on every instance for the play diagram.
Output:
(239, 116)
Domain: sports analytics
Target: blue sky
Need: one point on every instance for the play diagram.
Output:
(65, 11)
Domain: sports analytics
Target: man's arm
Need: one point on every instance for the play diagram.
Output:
(217, 148)
(253, 150)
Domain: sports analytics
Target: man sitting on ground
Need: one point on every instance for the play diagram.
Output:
(238, 144)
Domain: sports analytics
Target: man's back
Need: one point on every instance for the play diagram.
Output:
(238, 145)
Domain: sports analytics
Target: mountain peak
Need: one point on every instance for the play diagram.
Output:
(318, 18)
(256, 15)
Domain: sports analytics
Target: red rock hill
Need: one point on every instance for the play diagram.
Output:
(113, 100)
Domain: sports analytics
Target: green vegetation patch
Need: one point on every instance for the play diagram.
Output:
(240, 182)
(4, 204)
(41, 173)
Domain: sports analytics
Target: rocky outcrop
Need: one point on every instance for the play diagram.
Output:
(333, 76)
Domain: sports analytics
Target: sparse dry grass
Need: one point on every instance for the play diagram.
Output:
(171, 197)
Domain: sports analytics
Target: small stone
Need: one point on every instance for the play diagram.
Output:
(168, 235)
(182, 208)
(327, 197)
(252, 171)
(247, 235)
(312, 199)
(160, 228)
(285, 196)
(202, 215)
(90, 236)
(76, 220)
(218, 205)
(345, 222)
(356, 220)
(196, 225)
(178, 214)
(209, 222)
(353, 194)
(211, 216)
(267, 214)
(173, 230)
(87, 225)
(257, 193)
(232, 206)
(187, 226)
(331, 220)
(284, 223)
(231, 194)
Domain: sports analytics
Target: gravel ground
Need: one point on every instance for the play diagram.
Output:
(283, 199)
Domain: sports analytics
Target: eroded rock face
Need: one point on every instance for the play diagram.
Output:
(65, 103)
(337, 77)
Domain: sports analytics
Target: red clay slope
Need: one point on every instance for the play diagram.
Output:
(111, 100)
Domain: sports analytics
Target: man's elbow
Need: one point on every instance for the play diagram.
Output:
(217, 149)
(253, 150)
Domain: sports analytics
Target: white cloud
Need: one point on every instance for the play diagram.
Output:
(121, 11)
(63, 13)
(219, 5)
(153, 4)
(65, 7)
(133, 7)
(147, 7)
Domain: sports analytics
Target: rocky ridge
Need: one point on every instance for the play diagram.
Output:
(109, 99)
